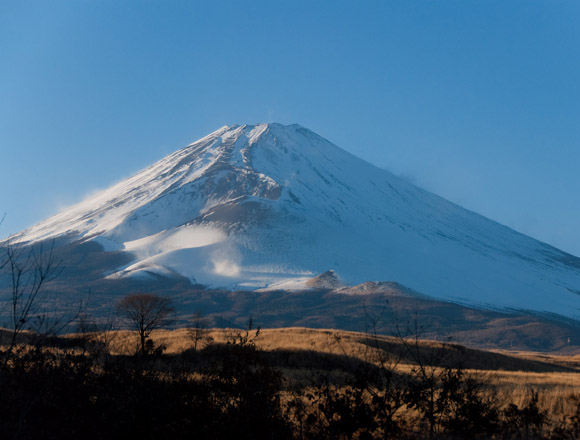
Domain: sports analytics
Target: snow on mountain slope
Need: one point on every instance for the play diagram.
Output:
(270, 206)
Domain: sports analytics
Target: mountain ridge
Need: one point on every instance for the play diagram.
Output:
(269, 206)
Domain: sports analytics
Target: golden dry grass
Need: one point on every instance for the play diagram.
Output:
(555, 387)
(321, 340)
(508, 375)
(505, 373)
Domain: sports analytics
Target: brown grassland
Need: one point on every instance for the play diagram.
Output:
(510, 375)
(281, 383)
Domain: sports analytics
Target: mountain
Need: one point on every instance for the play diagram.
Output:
(271, 207)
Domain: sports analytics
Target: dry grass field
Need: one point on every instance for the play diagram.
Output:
(509, 374)
(297, 382)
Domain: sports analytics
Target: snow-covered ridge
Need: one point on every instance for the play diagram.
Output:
(267, 205)
(102, 213)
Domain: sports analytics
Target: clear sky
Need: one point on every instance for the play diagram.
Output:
(477, 101)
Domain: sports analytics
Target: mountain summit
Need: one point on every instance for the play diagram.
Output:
(272, 206)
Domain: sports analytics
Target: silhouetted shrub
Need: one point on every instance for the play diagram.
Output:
(527, 422)
(233, 390)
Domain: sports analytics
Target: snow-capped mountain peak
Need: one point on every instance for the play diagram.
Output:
(271, 206)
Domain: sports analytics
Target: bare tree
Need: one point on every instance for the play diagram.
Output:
(145, 312)
(28, 270)
(199, 333)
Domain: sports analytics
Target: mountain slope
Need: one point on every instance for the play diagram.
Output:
(270, 206)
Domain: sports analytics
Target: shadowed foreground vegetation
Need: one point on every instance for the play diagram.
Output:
(283, 383)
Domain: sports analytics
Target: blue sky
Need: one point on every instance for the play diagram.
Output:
(477, 101)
